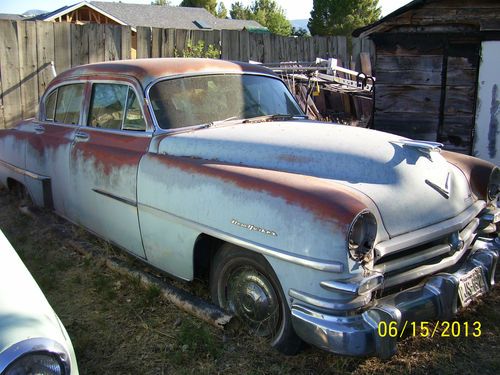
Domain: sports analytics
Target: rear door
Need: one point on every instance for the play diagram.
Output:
(49, 143)
(104, 161)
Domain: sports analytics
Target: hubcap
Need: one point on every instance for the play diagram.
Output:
(250, 295)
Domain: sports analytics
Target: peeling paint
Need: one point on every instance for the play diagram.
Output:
(493, 127)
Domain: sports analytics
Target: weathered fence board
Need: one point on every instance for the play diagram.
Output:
(27, 50)
(28, 65)
(112, 43)
(45, 53)
(9, 60)
(62, 54)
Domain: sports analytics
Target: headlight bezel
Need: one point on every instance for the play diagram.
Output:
(493, 188)
(35, 346)
(361, 236)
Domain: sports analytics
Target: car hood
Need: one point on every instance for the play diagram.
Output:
(404, 183)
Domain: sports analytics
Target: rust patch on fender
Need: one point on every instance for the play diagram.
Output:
(477, 171)
(111, 150)
(326, 200)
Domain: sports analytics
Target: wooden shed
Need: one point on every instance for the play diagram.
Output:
(433, 62)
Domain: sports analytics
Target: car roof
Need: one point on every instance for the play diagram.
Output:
(148, 70)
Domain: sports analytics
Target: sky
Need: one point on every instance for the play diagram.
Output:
(294, 9)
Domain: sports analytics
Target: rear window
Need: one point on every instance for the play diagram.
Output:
(64, 104)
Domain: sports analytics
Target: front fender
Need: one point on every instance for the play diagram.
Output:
(286, 213)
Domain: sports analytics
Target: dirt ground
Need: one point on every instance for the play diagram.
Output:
(119, 327)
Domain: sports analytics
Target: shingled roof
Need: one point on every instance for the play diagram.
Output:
(158, 16)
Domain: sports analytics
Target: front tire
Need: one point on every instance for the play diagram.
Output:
(245, 284)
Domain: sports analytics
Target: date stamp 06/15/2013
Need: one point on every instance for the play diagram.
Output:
(441, 328)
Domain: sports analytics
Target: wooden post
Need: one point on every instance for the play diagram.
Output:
(62, 46)
(112, 42)
(45, 53)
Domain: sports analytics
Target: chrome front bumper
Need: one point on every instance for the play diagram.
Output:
(434, 299)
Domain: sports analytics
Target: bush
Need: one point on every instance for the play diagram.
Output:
(199, 50)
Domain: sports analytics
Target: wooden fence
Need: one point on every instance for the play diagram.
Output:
(28, 48)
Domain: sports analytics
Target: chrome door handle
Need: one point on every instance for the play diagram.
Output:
(81, 136)
(39, 129)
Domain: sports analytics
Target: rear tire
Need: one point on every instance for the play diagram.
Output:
(244, 283)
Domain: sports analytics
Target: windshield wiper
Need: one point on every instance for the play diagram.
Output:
(275, 117)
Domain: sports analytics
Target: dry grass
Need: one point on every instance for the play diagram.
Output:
(117, 327)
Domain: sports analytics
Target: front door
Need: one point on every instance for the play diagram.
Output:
(104, 161)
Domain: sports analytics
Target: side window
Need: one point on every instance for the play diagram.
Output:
(107, 105)
(133, 116)
(69, 103)
(50, 106)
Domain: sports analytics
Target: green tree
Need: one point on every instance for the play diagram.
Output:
(160, 2)
(221, 10)
(341, 17)
(209, 5)
(266, 12)
(300, 31)
(239, 11)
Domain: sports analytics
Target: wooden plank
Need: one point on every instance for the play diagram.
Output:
(460, 100)
(112, 42)
(28, 65)
(409, 77)
(143, 42)
(406, 124)
(182, 37)
(2, 115)
(168, 43)
(244, 42)
(9, 61)
(96, 42)
(342, 49)
(427, 63)
(62, 44)
(45, 53)
(457, 131)
(79, 45)
(366, 66)
(126, 44)
(156, 41)
(267, 48)
(407, 98)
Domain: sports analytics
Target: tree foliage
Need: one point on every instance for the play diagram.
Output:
(341, 17)
(299, 31)
(160, 2)
(198, 50)
(266, 12)
(210, 5)
(221, 10)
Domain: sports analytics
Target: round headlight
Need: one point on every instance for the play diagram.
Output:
(36, 363)
(494, 184)
(361, 236)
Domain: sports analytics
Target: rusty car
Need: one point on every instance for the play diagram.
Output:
(306, 231)
(32, 338)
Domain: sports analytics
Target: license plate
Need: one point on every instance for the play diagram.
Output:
(471, 285)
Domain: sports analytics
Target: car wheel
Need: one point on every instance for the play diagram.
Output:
(244, 284)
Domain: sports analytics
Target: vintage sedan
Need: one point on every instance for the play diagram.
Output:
(306, 230)
(32, 338)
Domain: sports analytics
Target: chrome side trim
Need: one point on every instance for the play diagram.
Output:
(23, 172)
(115, 197)
(329, 304)
(314, 263)
(429, 233)
(35, 345)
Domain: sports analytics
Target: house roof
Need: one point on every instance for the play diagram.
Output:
(13, 17)
(378, 25)
(157, 16)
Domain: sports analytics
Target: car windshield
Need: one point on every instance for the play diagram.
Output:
(197, 100)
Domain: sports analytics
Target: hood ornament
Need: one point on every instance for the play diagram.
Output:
(425, 147)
